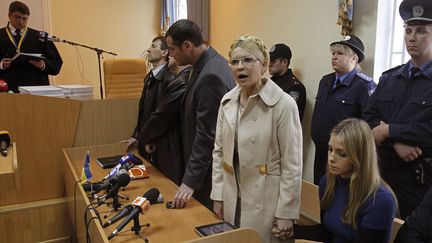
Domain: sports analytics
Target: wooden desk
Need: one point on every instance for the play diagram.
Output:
(166, 225)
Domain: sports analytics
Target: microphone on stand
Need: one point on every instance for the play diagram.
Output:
(4, 142)
(44, 36)
(141, 205)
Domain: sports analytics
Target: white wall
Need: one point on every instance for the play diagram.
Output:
(307, 26)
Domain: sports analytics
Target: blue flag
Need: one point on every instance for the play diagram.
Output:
(86, 174)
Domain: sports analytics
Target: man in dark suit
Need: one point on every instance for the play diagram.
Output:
(210, 79)
(16, 37)
(157, 133)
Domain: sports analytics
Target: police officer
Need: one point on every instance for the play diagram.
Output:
(400, 112)
(341, 94)
(280, 57)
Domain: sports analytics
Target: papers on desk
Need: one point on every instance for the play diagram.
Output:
(77, 91)
(43, 90)
(25, 57)
(73, 91)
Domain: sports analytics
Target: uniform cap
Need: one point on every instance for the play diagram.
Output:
(354, 43)
(280, 51)
(416, 10)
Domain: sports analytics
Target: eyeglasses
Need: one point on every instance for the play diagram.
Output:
(247, 61)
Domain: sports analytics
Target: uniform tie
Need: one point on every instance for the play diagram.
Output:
(17, 36)
(337, 84)
(413, 72)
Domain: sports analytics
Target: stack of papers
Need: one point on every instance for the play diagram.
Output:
(43, 90)
(77, 91)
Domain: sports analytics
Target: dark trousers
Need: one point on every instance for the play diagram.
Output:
(320, 163)
(402, 178)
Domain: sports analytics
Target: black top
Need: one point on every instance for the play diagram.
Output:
(292, 86)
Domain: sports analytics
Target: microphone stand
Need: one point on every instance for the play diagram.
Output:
(99, 54)
(137, 228)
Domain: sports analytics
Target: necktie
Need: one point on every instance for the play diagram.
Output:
(17, 36)
(413, 71)
(337, 84)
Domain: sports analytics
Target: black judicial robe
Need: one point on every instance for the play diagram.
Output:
(25, 74)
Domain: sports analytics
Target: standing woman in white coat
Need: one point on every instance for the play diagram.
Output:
(257, 159)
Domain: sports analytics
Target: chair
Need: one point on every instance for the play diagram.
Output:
(124, 78)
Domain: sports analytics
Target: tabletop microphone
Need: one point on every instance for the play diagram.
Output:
(122, 181)
(122, 213)
(126, 162)
(4, 142)
(141, 205)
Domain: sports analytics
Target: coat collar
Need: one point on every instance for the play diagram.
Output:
(270, 94)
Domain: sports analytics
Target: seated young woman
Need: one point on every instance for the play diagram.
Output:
(356, 204)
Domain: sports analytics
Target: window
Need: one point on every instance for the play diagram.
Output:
(390, 48)
(181, 9)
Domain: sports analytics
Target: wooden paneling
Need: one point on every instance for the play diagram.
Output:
(106, 121)
(166, 225)
(36, 221)
(9, 174)
(41, 127)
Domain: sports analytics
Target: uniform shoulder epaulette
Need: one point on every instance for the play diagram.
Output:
(364, 77)
(392, 69)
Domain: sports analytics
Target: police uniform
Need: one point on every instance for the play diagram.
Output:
(287, 81)
(292, 86)
(404, 102)
(333, 104)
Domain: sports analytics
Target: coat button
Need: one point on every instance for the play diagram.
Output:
(343, 101)
(423, 102)
(252, 140)
(254, 118)
(256, 185)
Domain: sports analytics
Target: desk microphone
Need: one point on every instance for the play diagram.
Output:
(4, 142)
(141, 205)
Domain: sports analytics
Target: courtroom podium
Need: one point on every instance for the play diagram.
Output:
(40, 128)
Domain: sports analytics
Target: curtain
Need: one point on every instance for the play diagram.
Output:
(199, 12)
(168, 15)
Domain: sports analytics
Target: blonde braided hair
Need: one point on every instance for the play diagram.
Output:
(252, 44)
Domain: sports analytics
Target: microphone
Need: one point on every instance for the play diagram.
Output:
(126, 162)
(122, 181)
(44, 36)
(140, 204)
(106, 184)
(3, 86)
(4, 142)
(122, 213)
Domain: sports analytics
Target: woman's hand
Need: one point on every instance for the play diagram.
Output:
(282, 228)
(218, 209)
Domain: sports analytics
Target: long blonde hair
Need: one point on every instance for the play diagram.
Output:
(365, 180)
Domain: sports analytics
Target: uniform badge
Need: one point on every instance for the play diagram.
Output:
(272, 49)
(418, 10)
(345, 38)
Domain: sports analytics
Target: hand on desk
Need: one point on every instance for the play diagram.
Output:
(131, 143)
(183, 195)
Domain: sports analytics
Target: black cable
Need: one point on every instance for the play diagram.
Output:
(75, 211)
(88, 239)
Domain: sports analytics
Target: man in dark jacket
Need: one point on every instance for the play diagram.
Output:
(280, 58)
(210, 79)
(15, 38)
(157, 133)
